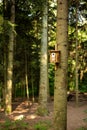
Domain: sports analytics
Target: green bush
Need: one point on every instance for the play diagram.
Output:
(14, 125)
(82, 128)
(45, 125)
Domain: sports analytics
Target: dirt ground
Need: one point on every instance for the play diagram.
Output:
(75, 115)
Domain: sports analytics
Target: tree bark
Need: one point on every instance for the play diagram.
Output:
(60, 87)
(44, 63)
(5, 40)
(8, 98)
(26, 75)
(76, 72)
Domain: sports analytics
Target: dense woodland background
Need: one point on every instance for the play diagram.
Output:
(27, 46)
(28, 30)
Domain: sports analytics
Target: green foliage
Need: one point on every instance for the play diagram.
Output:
(83, 83)
(1, 23)
(1, 86)
(82, 128)
(28, 28)
(14, 125)
(6, 124)
(82, 40)
(1, 7)
(42, 125)
(22, 125)
(85, 120)
(85, 111)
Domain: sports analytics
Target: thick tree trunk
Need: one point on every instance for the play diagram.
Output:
(8, 98)
(60, 88)
(44, 63)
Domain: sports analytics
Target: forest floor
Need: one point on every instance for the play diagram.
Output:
(21, 110)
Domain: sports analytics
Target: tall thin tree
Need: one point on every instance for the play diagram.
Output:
(60, 87)
(44, 62)
(5, 18)
(8, 97)
(76, 72)
(26, 75)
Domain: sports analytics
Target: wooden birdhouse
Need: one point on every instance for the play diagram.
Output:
(54, 56)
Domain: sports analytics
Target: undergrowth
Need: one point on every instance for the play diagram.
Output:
(42, 125)
(22, 125)
(82, 128)
(14, 125)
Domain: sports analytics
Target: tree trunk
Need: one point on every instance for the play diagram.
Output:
(8, 98)
(44, 63)
(5, 40)
(60, 87)
(26, 75)
(32, 83)
(76, 73)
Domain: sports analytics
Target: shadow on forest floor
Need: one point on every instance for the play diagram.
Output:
(22, 111)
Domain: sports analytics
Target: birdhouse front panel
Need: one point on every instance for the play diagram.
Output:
(54, 56)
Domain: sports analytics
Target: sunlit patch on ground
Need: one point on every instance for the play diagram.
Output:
(23, 112)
